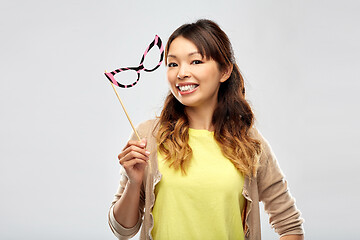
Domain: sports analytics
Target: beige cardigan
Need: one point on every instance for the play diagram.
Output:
(269, 187)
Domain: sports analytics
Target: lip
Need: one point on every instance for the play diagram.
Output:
(185, 84)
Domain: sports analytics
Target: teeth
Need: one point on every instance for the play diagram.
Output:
(187, 88)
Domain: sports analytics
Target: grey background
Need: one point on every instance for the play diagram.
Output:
(62, 126)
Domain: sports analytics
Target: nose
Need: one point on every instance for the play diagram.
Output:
(183, 72)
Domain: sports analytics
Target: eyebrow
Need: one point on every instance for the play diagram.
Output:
(190, 54)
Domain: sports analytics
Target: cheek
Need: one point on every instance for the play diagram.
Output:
(171, 78)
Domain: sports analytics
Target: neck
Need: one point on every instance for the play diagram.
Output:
(200, 118)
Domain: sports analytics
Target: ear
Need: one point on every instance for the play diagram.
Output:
(226, 73)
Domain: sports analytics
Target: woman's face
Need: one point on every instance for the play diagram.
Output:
(193, 80)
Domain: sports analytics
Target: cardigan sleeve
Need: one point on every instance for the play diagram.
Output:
(273, 191)
(119, 231)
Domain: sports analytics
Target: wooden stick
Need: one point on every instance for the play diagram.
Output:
(127, 115)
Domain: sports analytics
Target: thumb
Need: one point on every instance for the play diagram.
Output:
(143, 142)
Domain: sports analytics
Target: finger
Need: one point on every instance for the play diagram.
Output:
(133, 148)
(132, 162)
(140, 144)
(131, 155)
(143, 142)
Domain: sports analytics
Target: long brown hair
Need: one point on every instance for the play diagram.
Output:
(232, 118)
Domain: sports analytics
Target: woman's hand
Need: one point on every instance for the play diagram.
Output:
(134, 158)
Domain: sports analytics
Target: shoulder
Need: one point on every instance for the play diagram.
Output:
(256, 134)
(147, 127)
(266, 151)
(146, 124)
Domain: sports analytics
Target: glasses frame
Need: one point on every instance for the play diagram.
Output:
(156, 42)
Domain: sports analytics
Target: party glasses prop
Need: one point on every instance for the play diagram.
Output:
(156, 42)
(110, 75)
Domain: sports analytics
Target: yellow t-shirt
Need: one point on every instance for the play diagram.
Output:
(204, 204)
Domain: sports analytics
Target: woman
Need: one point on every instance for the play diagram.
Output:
(209, 166)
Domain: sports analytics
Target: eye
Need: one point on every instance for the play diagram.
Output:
(196, 62)
(172, 65)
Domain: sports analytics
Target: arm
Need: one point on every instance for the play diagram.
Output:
(273, 191)
(127, 208)
(292, 237)
(133, 158)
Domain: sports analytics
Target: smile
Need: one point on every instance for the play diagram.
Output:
(186, 89)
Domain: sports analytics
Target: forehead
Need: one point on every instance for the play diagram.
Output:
(182, 46)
